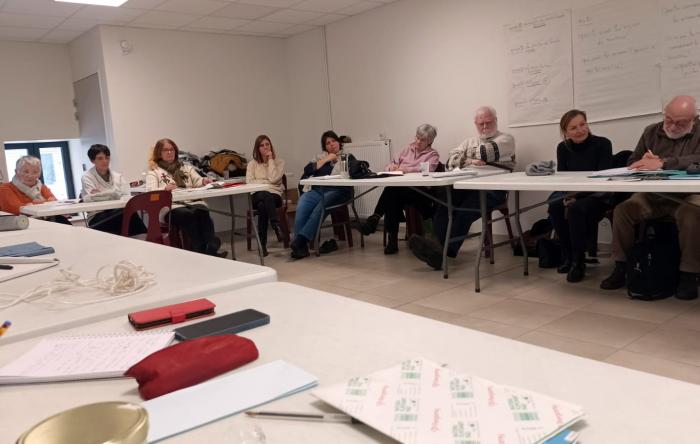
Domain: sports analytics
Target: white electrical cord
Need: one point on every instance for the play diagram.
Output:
(126, 279)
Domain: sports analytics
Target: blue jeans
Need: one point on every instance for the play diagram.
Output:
(310, 212)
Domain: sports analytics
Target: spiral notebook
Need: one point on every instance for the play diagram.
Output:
(82, 357)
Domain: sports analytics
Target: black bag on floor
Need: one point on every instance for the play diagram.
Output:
(652, 264)
(540, 230)
(548, 253)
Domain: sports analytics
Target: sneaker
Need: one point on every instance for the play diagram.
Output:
(687, 286)
(426, 250)
(617, 279)
(370, 226)
(577, 272)
(328, 246)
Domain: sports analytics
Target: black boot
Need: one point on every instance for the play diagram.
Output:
(687, 286)
(565, 264)
(264, 248)
(578, 269)
(278, 231)
(392, 244)
(427, 250)
(617, 279)
(300, 248)
(370, 226)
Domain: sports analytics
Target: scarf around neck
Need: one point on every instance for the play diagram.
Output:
(34, 192)
(173, 168)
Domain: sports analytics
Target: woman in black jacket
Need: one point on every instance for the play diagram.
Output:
(576, 216)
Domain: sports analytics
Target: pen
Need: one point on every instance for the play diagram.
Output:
(6, 267)
(27, 260)
(5, 327)
(326, 417)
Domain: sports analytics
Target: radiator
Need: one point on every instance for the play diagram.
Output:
(378, 154)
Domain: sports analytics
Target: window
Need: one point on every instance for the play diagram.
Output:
(55, 164)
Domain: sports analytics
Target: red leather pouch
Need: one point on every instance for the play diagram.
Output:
(171, 314)
(190, 362)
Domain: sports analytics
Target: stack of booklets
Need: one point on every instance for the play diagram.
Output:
(27, 249)
(419, 401)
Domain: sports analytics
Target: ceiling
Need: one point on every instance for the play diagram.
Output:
(53, 22)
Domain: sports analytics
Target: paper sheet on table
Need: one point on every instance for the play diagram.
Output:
(19, 270)
(419, 401)
(329, 177)
(200, 404)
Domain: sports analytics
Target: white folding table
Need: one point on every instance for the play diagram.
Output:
(179, 275)
(180, 196)
(571, 181)
(416, 182)
(336, 338)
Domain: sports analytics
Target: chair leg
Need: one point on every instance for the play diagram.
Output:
(513, 242)
(357, 220)
(249, 229)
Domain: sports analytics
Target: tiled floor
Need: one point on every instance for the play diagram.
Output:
(542, 309)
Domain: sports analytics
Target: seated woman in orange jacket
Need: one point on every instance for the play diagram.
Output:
(26, 188)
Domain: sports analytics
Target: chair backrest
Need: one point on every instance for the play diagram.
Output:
(151, 203)
(620, 158)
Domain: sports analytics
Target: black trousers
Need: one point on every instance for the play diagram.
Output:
(110, 221)
(393, 201)
(266, 204)
(194, 221)
(576, 225)
(463, 220)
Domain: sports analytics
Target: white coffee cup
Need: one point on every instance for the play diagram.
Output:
(425, 168)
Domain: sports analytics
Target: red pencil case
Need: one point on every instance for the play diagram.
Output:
(171, 314)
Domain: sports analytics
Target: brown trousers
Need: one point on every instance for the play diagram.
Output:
(643, 206)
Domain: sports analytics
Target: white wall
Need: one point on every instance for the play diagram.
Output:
(36, 92)
(412, 61)
(309, 113)
(205, 91)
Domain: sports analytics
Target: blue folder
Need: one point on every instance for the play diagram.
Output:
(27, 250)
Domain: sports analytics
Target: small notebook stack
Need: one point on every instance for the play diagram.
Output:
(28, 249)
(82, 357)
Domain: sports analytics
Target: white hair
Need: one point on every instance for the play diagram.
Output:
(428, 131)
(27, 160)
(486, 110)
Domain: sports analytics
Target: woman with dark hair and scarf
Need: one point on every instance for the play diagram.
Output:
(310, 211)
(575, 216)
(168, 173)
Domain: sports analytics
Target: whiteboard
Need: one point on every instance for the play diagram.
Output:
(680, 66)
(616, 59)
(539, 55)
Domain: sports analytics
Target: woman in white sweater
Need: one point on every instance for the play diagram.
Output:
(266, 168)
(102, 183)
(168, 173)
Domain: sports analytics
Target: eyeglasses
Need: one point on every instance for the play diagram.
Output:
(167, 150)
(680, 123)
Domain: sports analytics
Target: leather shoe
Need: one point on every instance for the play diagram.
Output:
(370, 226)
(577, 272)
(565, 266)
(617, 279)
(426, 250)
(328, 246)
(687, 286)
(300, 249)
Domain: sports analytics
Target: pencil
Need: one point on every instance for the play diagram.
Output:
(325, 417)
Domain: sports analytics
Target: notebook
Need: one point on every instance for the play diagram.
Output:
(82, 357)
(27, 249)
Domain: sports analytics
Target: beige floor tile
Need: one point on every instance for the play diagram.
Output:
(655, 365)
(561, 293)
(461, 300)
(675, 344)
(689, 319)
(568, 345)
(410, 289)
(364, 281)
(431, 313)
(376, 300)
(323, 286)
(657, 311)
(597, 328)
(494, 328)
(521, 313)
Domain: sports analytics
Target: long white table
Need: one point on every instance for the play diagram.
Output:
(181, 195)
(336, 338)
(416, 182)
(180, 275)
(570, 181)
